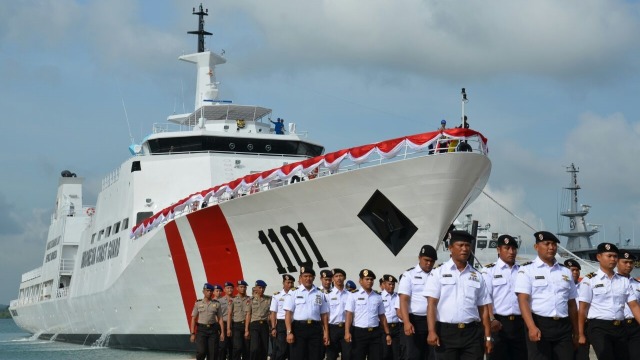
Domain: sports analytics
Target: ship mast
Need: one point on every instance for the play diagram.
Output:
(578, 236)
(201, 32)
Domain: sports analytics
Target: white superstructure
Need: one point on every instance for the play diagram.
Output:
(225, 198)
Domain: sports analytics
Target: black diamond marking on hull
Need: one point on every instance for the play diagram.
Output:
(389, 224)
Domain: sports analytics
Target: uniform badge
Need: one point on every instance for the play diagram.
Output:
(318, 300)
(365, 272)
(506, 241)
(626, 255)
(565, 278)
(540, 237)
(607, 246)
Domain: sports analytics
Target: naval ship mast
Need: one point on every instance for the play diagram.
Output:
(578, 236)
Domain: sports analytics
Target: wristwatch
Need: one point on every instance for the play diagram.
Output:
(288, 332)
(489, 338)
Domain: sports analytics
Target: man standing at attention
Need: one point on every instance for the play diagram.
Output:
(626, 263)
(337, 300)
(507, 325)
(413, 306)
(278, 328)
(389, 299)
(365, 311)
(306, 318)
(602, 297)
(582, 352)
(457, 296)
(225, 304)
(206, 318)
(237, 317)
(257, 323)
(546, 295)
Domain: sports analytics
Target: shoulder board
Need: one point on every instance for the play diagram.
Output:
(561, 264)
(276, 293)
(527, 263)
(376, 291)
(294, 288)
(590, 275)
(490, 265)
(409, 269)
(198, 300)
(267, 296)
(353, 290)
(437, 266)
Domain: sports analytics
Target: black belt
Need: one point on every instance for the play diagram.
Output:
(554, 318)
(630, 322)
(611, 322)
(306, 322)
(340, 325)
(238, 322)
(368, 329)
(459, 325)
(394, 324)
(207, 325)
(258, 322)
(508, 317)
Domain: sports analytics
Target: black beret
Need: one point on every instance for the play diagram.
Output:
(389, 278)
(228, 283)
(367, 273)
(305, 269)
(429, 251)
(242, 282)
(459, 235)
(217, 287)
(286, 277)
(326, 274)
(545, 235)
(572, 263)
(507, 240)
(339, 271)
(607, 247)
(626, 255)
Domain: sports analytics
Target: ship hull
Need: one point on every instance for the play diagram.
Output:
(143, 298)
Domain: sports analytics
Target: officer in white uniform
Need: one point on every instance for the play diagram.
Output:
(413, 306)
(626, 264)
(507, 325)
(582, 352)
(457, 315)
(337, 299)
(389, 300)
(546, 295)
(365, 311)
(278, 328)
(306, 318)
(602, 296)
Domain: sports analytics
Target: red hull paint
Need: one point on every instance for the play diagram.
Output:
(181, 265)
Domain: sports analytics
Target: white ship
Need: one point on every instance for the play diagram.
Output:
(214, 197)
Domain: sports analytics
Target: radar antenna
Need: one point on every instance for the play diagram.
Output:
(200, 32)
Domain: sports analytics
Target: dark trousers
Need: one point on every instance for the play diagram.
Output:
(392, 352)
(556, 342)
(510, 341)
(259, 343)
(367, 343)
(415, 346)
(609, 339)
(225, 346)
(632, 329)
(460, 343)
(207, 339)
(337, 344)
(240, 344)
(582, 352)
(280, 346)
(308, 341)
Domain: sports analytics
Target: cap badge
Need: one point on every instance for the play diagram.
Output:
(301, 269)
(365, 272)
(626, 255)
(506, 241)
(449, 236)
(541, 237)
(607, 246)
(389, 278)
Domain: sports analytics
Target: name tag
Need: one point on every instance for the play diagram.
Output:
(497, 276)
(446, 275)
(598, 285)
(539, 277)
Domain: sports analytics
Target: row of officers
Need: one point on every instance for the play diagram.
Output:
(536, 310)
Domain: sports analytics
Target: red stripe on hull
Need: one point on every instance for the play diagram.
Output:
(216, 244)
(181, 265)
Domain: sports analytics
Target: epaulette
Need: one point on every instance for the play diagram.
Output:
(490, 265)
(294, 288)
(276, 293)
(353, 290)
(198, 300)
(377, 292)
(527, 263)
(409, 269)
(267, 296)
(561, 264)
(437, 266)
(590, 275)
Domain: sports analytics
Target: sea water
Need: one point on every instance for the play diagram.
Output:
(19, 345)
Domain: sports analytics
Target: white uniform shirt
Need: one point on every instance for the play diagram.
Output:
(366, 308)
(389, 301)
(501, 280)
(396, 306)
(337, 300)
(635, 285)
(459, 293)
(306, 304)
(277, 303)
(412, 284)
(606, 296)
(549, 287)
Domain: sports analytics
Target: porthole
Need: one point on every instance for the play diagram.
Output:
(250, 147)
(268, 147)
(232, 146)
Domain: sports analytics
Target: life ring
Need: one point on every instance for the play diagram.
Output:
(90, 211)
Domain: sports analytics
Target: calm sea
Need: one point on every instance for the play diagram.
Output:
(18, 345)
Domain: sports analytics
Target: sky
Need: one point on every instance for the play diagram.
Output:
(549, 83)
